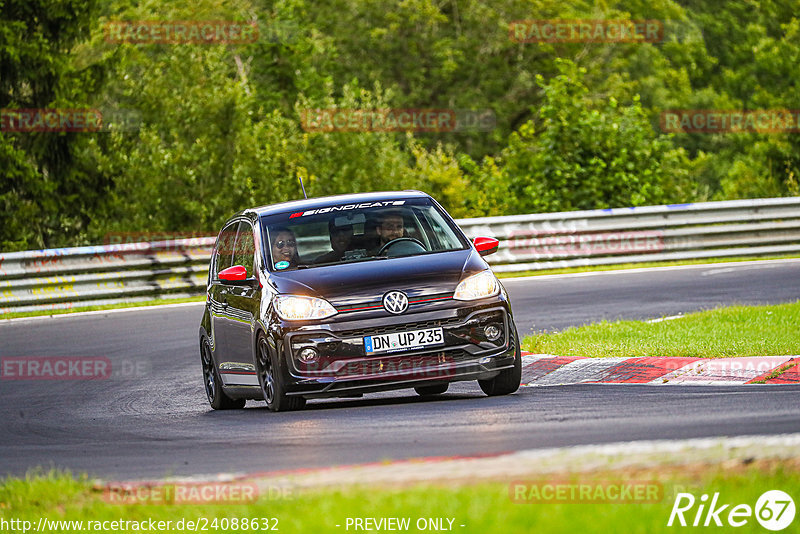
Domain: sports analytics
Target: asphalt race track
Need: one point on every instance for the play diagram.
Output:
(153, 419)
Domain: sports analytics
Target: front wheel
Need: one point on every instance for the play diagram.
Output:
(213, 385)
(508, 380)
(272, 380)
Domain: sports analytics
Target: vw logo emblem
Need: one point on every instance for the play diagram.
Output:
(395, 302)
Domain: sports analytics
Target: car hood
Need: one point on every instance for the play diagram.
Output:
(352, 283)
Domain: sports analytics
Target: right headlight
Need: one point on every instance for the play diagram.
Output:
(300, 308)
(477, 286)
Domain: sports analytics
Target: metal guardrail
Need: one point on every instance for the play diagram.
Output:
(96, 275)
(649, 233)
(81, 276)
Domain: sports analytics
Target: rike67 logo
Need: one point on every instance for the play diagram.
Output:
(774, 510)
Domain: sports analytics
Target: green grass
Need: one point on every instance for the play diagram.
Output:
(722, 332)
(626, 266)
(154, 302)
(484, 508)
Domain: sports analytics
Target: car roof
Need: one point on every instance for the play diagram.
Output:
(322, 202)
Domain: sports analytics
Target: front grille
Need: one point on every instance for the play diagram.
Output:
(378, 330)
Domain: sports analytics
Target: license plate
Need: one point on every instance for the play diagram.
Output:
(398, 341)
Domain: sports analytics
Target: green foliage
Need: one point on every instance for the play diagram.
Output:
(218, 127)
(339, 162)
(587, 155)
(17, 196)
(438, 170)
(754, 48)
(205, 148)
(47, 194)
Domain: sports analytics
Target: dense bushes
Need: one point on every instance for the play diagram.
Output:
(218, 127)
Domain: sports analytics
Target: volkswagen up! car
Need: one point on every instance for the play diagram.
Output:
(346, 295)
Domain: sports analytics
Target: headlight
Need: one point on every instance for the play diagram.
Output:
(296, 308)
(477, 286)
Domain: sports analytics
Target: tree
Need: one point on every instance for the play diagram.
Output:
(586, 155)
(47, 196)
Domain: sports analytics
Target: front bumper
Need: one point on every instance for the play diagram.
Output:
(344, 368)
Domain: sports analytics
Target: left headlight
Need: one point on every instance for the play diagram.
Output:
(298, 308)
(477, 286)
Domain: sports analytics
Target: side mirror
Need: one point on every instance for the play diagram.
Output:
(486, 245)
(234, 274)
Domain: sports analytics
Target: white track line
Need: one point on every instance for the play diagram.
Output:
(101, 312)
(668, 318)
(731, 265)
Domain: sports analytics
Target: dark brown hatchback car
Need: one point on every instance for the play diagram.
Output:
(346, 295)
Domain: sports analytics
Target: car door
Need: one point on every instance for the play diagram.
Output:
(242, 312)
(218, 291)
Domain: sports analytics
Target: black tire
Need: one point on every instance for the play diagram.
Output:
(508, 380)
(431, 390)
(272, 378)
(213, 384)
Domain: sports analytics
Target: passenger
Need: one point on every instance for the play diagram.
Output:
(341, 239)
(284, 248)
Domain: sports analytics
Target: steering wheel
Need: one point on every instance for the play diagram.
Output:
(391, 243)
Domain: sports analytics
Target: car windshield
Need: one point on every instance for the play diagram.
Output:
(348, 233)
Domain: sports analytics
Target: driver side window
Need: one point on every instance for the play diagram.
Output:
(244, 252)
(223, 254)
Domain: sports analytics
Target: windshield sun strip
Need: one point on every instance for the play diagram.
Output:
(417, 207)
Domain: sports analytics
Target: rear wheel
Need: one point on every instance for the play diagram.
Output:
(271, 377)
(431, 390)
(213, 385)
(509, 379)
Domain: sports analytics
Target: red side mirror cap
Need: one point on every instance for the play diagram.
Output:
(486, 245)
(236, 273)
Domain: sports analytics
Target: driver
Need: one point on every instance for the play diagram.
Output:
(390, 227)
